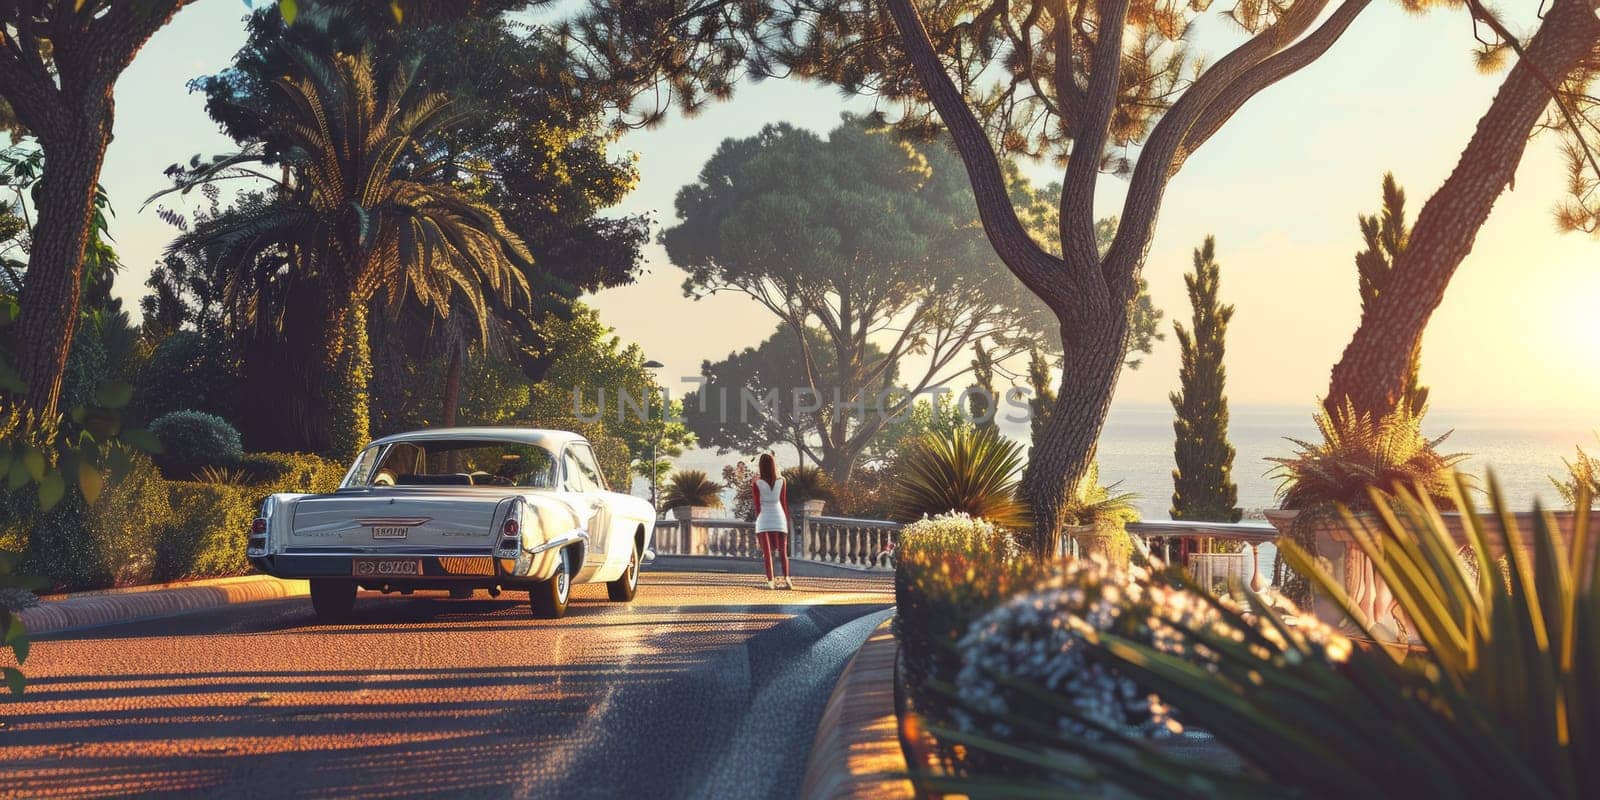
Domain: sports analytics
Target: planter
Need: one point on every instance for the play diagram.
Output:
(1108, 540)
(1337, 549)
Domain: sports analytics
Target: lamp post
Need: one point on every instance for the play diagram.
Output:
(655, 438)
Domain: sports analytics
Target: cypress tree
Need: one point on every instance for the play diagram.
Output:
(1203, 487)
(1386, 235)
(1044, 396)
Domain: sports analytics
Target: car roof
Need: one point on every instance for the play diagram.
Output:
(548, 439)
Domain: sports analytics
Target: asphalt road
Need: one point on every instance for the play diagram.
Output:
(707, 685)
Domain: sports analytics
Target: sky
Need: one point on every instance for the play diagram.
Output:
(1280, 187)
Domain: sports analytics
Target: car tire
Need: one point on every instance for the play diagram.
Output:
(549, 599)
(334, 600)
(626, 586)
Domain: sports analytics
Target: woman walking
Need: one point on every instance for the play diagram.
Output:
(772, 520)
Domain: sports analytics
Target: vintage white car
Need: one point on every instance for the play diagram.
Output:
(460, 509)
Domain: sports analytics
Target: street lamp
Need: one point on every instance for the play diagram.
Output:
(655, 438)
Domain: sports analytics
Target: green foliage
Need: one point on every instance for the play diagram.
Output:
(1386, 235)
(348, 396)
(869, 494)
(1583, 475)
(752, 400)
(1359, 453)
(586, 358)
(949, 571)
(863, 232)
(189, 370)
(109, 542)
(1094, 503)
(969, 471)
(691, 487)
(1203, 487)
(207, 534)
(1502, 705)
(13, 633)
(739, 476)
(406, 392)
(940, 416)
(807, 482)
(272, 473)
(194, 439)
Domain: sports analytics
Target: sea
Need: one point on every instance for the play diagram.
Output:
(1521, 448)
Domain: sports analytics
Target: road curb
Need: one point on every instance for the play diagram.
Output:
(90, 609)
(856, 752)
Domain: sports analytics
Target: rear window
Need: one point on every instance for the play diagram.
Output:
(459, 463)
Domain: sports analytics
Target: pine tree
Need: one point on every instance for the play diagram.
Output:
(1044, 397)
(1386, 235)
(1203, 487)
(981, 406)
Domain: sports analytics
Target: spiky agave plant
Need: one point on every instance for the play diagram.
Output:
(1505, 702)
(970, 471)
(692, 487)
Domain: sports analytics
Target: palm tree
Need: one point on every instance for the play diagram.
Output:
(365, 213)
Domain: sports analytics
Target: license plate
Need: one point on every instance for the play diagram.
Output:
(390, 532)
(385, 567)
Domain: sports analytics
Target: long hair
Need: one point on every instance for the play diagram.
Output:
(769, 469)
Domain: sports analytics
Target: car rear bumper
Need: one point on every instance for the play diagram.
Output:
(482, 568)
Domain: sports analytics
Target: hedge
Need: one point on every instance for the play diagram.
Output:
(207, 537)
(144, 528)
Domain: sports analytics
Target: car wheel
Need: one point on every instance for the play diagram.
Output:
(625, 587)
(549, 599)
(333, 600)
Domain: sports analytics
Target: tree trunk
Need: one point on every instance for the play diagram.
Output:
(452, 390)
(64, 201)
(1375, 369)
(1065, 448)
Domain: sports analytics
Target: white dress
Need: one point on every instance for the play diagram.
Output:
(772, 516)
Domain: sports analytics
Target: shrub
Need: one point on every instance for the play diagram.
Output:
(1037, 640)
(207, 537)
(1359, 452)
(112, 542)
(968, 471)
(193, 439)
(1502, 705)
(803, 484)
(692, 487)
(272, 473)
(949, 571)
(738, 476)
(189, 370)
(867, 495)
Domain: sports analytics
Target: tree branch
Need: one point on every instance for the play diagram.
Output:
(1076, 219)
(1150, 176)
(1036, 268)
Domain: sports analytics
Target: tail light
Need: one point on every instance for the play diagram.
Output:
(258, 527)
(510, 545)
(258, 538)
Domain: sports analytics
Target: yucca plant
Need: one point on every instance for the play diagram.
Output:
(1504, 703)
(1583, 474)
(969, 470)
(692, 487)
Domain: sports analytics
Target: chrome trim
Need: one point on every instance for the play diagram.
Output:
(563, 540)
(388, 552)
